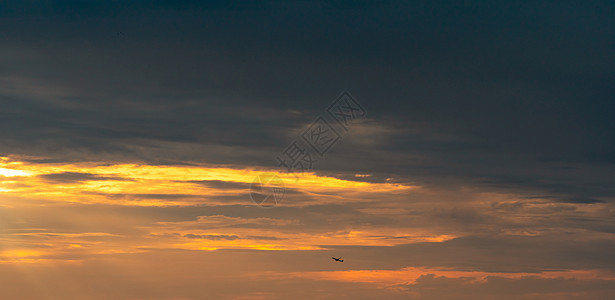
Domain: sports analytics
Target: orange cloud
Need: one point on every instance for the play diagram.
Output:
(148, 185)
(405, 276)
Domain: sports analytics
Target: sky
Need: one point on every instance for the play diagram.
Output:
(138, 140)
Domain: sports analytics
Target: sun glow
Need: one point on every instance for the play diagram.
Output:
(34, 185)
(11, 173)
(152, 185)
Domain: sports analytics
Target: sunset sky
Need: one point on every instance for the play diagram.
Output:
(133, 135)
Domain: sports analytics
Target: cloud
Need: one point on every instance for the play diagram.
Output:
(530, 287)
(211, 236)
(75, 177)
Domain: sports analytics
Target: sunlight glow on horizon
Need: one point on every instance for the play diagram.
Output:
(75, 184)
(150, 185)
(12, 172)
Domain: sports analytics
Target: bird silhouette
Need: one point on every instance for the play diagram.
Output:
(338, 259)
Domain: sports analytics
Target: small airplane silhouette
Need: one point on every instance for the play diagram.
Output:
(338, 259)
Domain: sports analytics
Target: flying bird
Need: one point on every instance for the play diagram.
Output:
(338, 259)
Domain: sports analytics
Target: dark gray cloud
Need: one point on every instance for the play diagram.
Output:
(214, 237)
(502, 93)
(72, 177)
